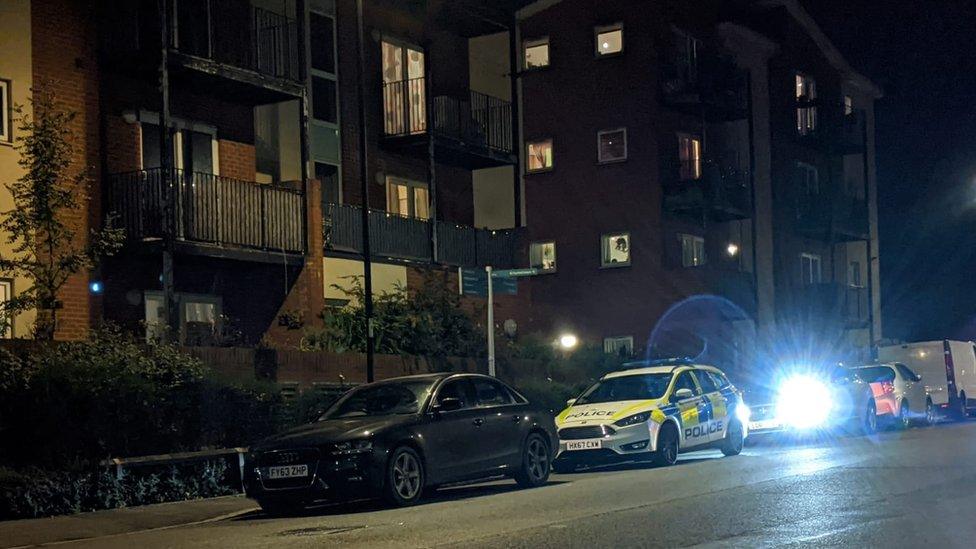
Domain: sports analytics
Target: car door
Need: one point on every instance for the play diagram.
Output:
(717, 409)
(914, 388)
(694, 415)
(453, 437)
(501, 440)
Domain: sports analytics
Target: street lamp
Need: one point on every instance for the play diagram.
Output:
(568, 342)
(732, 249)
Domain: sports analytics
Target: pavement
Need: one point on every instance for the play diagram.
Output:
(898, 489)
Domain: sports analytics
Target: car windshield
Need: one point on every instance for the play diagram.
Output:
(382, 399)
(635, 387)
(875, 374)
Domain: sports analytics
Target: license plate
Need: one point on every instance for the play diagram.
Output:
(764, 424)
(287, 471)
(584, 445)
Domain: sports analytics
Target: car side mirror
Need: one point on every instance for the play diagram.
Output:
(570, 402)
(682, 394)
(449, 404)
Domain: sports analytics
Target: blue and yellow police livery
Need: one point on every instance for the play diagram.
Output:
(651, 412)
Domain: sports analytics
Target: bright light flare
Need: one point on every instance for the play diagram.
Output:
(804, 402)
(743, 413)
(568, 341)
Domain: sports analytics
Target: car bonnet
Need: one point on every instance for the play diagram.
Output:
(608, 412)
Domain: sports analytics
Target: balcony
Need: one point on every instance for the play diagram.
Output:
(409, 239)
(834, 217)
(735, 285)
(471, 132)
(211, 215)
(834, 131)
(852, 136)
(835, 302)
(720, 194)
(706, 84)
(228, 48)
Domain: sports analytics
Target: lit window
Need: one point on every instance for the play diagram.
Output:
(407, 198)
(609, 39)
(6, 317)
(854, 274)
(848, 105)
(689, 157)
(808, 178)
(538, 155)
(535, 53)
(810, 272)
(5, 108)
(612, 145)
(616, 250)
(806, 110)
(692, 250)
(542, 256)
(619, 345)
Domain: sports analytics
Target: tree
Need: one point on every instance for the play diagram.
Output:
(45, 247)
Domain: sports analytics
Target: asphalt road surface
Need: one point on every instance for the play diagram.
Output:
(898, 489)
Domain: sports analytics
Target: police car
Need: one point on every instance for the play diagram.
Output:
(651, 411)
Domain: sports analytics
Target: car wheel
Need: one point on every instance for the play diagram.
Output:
(281, 507)
(667, 446)
(904, 415)
(535, 462)
(930, 413)
(404, 477)
(734, 437)
(870, 422)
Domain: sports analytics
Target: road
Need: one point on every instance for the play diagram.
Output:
(898, 489)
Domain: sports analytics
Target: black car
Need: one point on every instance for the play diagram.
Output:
(394, 438)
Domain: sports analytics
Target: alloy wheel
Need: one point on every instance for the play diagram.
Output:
(406, 476)
(538, 459)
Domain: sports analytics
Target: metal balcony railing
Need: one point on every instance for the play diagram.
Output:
(831, 300)
(722, 191)
(235, 33)
(397, 237)
(478, 121)
(822, 214)
(208, 209)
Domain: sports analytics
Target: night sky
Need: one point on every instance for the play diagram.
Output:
(924, 56)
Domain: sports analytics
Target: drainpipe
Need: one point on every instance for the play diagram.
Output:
(514, 101)
(168, 194)
(301, 15)
(870, 262)
(431, 164)
(364, 181)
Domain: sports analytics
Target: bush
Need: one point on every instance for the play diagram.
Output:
(551, 394)
(35, 492)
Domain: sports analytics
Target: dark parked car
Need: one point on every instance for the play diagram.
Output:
(396, 437)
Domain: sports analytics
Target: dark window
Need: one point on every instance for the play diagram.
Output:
(322, 42)
(150, 146)
(491, 393)
(200, 149)
(707, 382)
(324, 100)
(720, 379)
(328, 175)
(459, 389)
(685, 381)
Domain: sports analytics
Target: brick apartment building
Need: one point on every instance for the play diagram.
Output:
(720, 149)
(638, 153)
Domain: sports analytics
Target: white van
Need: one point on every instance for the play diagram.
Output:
(948, 370)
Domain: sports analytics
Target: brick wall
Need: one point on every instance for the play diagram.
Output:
(64, 59)
(307, 295)
(237, 160)
(125, 142)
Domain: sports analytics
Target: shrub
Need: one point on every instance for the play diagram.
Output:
(35, 492)
(551, 395)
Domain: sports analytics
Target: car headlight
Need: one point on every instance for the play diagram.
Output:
(804, 402)
(743, 413)
(633, 420)
(352, 447)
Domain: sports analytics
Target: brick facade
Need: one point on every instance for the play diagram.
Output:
(64, 63)
(236, 159)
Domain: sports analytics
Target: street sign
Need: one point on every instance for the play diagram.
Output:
(514, 273)
(474, 282)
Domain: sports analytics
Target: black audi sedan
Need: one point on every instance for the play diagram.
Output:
(397, 437)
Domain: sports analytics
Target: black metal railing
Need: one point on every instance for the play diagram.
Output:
(832, 300)
(478, 121)
(722, 191)
(208, 209)
(238, 34)
(704, 81)
(396, 237)
(835, 213)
